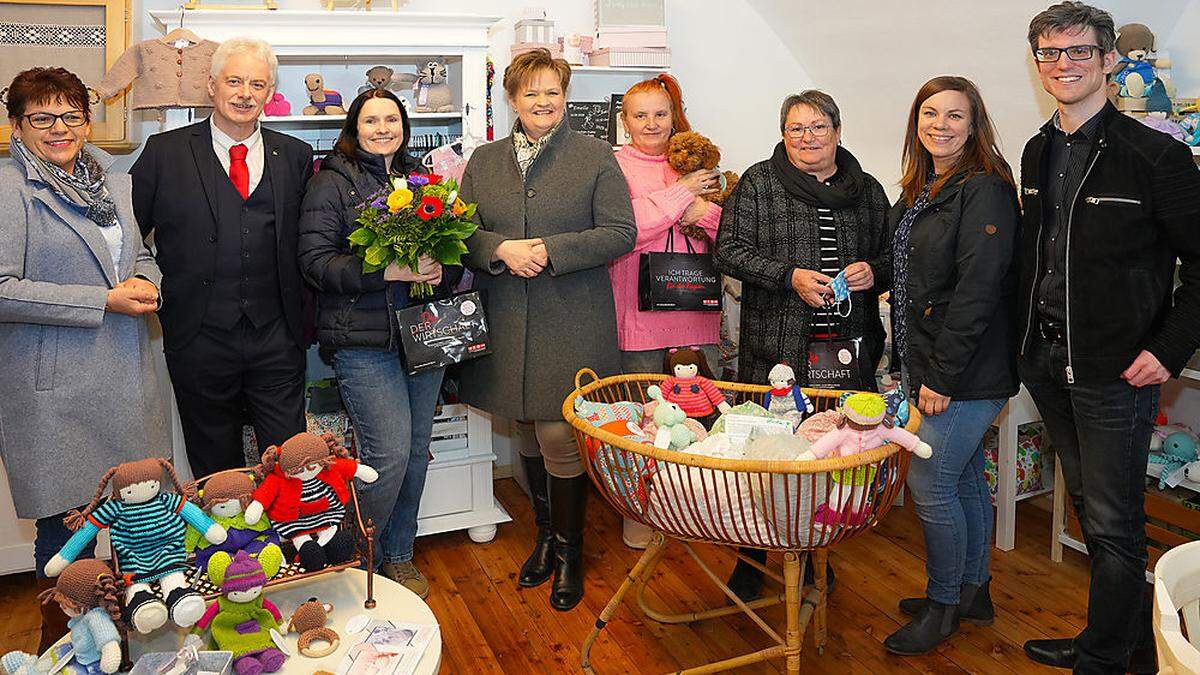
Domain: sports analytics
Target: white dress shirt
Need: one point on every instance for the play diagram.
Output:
(222, 142)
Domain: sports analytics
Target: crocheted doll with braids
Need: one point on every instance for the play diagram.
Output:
(304, 491)
(90, 594)
(147, 526)
(225, 497)
(241, 620)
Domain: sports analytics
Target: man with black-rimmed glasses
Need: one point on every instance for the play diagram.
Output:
(1108, 207)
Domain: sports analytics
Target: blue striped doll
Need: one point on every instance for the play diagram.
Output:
(146, 525)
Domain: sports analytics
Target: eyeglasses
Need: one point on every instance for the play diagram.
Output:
(818, 129)
(1074, 52)
(71, 118)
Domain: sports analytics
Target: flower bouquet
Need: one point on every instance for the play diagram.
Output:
(420, 215)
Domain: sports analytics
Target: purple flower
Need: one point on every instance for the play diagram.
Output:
(417, 180)
(379, 203)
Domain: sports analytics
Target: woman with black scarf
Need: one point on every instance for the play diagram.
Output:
(792, 224)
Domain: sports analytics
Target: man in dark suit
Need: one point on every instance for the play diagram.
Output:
(222, 198)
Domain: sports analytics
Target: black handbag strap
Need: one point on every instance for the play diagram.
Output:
(671, 241)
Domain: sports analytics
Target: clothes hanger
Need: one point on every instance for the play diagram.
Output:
(180, 33)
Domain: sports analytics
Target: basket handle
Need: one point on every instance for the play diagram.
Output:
(585, 371)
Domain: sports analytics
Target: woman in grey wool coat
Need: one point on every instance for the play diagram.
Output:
(76, 287)
(554, 208)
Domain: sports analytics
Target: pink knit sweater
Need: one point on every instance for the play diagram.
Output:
(658, 202)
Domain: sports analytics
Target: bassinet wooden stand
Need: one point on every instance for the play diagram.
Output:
(768, 504)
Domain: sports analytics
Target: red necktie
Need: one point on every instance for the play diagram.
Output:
(239, 173)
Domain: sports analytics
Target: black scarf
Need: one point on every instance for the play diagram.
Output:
(844, 192)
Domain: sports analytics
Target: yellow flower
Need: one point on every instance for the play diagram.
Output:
(459, 208)
(399, 199)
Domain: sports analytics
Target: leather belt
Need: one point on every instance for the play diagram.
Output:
(1054, 332)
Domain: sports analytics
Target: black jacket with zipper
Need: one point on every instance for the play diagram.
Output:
(353, 309)
(1136, 211)
(961, 338)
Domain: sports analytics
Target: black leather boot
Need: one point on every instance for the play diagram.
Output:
(568, 501)
(539, 566)
(927, 630)
(974, 605)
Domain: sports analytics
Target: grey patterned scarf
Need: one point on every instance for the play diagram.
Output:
(528, 150)
(83, 189)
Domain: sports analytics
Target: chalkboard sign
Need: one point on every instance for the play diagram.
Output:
(589, 118)
(616, 127)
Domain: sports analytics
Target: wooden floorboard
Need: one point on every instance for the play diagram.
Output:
(491, 625)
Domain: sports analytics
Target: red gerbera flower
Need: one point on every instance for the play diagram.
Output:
(434, 178)
(430, 207)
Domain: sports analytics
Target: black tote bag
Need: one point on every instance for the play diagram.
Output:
(682, 282)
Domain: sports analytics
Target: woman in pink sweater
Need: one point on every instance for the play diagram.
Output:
(652, 111)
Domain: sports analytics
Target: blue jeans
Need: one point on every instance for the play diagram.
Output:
(49, 537)
(952, 498)
(392, 413)
(1101, 434)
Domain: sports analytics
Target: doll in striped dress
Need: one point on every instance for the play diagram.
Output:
(304, 491)
(146, 525)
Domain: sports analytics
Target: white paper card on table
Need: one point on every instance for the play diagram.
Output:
(357, 624)
(741, 428)
(388, 648)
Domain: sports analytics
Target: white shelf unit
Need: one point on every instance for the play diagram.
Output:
(342, 46)
(1019, 410)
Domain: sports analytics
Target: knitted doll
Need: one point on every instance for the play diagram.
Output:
(225, 497)
(304, 492)
(241, 620)
(90, 594)
(786, 399)
(690, 385)
(864, 426)
(147, 527)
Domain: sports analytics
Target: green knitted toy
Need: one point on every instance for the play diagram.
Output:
(241, 620)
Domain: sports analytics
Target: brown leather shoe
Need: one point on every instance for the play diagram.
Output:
(54, 622)
(407, 575)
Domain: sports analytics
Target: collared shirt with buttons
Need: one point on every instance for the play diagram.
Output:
(1068, 157)
(255, 161)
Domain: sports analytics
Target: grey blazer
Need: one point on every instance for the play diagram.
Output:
(81, 393)
(546, 328)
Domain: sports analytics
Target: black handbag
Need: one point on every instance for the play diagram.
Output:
(836, 364)
(670, 281)
(440, 333)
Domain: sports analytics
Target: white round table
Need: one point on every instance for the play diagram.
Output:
(345, 590)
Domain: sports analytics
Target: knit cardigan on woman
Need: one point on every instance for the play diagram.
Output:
(659, 201)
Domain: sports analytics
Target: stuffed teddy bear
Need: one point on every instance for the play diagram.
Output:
(669, 418)
(431, 91)
(689, 384)
(90, 595)
(1178, 451)
(1134, 73)
(308, 621)
(786, 399)
(864, 426)
(147, 526)
(321, 101)
(304, 492)
(225, 497)
(241, 620)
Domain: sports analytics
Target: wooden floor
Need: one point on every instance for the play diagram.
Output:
(490, 625)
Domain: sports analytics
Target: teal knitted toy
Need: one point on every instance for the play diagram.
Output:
(241, 620)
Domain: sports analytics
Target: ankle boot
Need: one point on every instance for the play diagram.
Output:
(974, 605)
(927, 630)
(539, 566)
(54, 622)
(568, 499)
(746, 581)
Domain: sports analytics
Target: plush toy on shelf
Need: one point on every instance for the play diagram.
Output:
(431, 90)
(1179, 449)
(1134, 73)
(383, 77)
(669, 419)
(147, 526)
(689, 385)
(1158, 109)
(786, 399)
(225, 497)
(864, 426)
(304, 492)
(321, 101)
(90, 594)
(241, 620)
(278, 106)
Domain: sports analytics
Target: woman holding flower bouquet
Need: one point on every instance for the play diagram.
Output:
(553, 210)
(392, 411)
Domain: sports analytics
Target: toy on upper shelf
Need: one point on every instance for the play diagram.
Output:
(241, 620)
(305, 491)
(383, 77)
(1178, 450)
(864, 426)
(90, 594)
(1158, 107)
(278, 106)
(321, 101)
(225, 497)
(431, 90)
(147, 527)
(786, 399)
(690, 385)
(1190, 126)
(1134, 73)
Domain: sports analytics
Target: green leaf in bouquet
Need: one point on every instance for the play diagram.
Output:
(378, 255)
(362, 236)
(369, 268)
(470, 212)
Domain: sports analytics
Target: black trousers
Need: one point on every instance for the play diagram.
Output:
(226, 378)
(1101, 433)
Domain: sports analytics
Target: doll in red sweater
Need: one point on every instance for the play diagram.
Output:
(690, 385)
(305, 487)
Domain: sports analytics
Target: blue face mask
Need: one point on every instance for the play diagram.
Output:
(841, 293)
